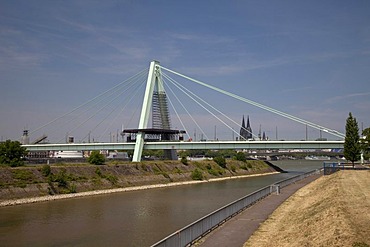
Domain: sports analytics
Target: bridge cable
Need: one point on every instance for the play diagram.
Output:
(214, 115)
(82, 105)
(215, 109)
(99, 110)
(97, 102)
(283, 114)
(201, 130)
(124, 107)
(173, 107)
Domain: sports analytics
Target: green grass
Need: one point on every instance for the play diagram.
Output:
(22, 174)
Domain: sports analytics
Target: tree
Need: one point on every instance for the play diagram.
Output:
(96, 158)
(12, 153)
(352, 148)
(365, 143)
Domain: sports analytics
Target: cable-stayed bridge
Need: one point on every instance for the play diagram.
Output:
(160, 135)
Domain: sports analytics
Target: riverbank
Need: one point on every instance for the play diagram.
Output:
(109, 191)
(34, 184)
(331, 211)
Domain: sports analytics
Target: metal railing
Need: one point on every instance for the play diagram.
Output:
(332, 167)
(204, 225)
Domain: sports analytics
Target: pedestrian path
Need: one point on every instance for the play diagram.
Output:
(237, 230)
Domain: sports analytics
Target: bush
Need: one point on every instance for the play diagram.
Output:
(98, 172)
(61, 177)
(73, 188)
(184, 161)
(233, 168)
(220, 161)
(45, 170)
(240, 156)
(249, 165)
(197, 174)
(111, 178)
(213, 172)
(96, 158)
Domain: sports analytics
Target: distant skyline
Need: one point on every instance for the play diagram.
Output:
(309, 59)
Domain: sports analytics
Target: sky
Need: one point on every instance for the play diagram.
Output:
(310, 59)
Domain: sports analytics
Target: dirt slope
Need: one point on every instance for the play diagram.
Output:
(331, 211)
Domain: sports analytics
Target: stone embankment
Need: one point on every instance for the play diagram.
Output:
(108, 191)
(32, 184)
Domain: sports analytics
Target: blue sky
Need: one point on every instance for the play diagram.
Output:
(310, 59)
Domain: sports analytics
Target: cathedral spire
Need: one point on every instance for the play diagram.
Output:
(249, 129)
(245, 131)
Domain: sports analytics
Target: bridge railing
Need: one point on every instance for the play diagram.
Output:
(204, 225)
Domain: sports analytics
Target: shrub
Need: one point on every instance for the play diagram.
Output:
(111, 178)
(196, 174)
(61, 178)
(233, 168)
(73, 188)
(184, 161)
(177, 170)
(98, 172)
(213, 172)
(220, 161)
(240, 156)
(96, 158)
(45, 170)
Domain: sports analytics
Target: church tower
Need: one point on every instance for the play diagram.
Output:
(245, 131)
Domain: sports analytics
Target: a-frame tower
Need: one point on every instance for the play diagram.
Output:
(154, 98)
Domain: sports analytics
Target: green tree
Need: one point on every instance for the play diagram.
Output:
(365, 143)
(96, 158)
(12, 153)
(352, 148)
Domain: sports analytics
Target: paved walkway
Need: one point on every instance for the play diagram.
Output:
(236, 231)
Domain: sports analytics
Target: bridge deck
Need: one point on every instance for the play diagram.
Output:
(213, 145)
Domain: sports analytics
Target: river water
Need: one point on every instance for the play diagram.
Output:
(136, 218)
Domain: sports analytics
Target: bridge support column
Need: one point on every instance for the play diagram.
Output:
(153, 77)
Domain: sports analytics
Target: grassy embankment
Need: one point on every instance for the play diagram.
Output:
(331, 211)
(42, 180)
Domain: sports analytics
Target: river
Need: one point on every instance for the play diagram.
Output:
(136, 218)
